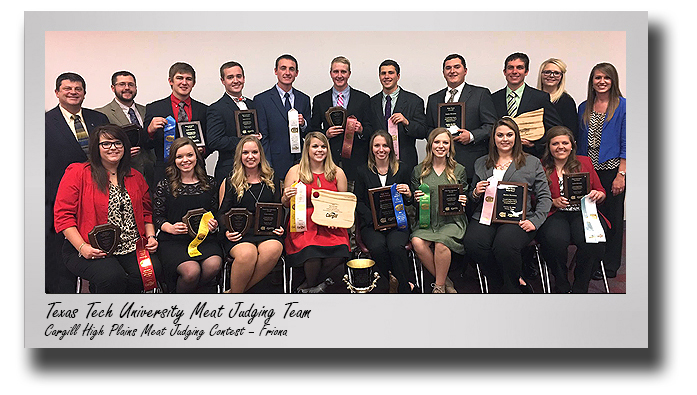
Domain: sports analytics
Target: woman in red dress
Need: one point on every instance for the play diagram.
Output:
(319, 249)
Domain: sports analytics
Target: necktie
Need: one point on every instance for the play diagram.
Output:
(512, 107)
(238, 99)
(452, 95)
(388, 109)
(82, 137)
(287, 102)
(340, 100)
(182, 117)
(132, 116)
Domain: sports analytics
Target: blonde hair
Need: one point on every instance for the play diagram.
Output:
(238, 175)
(391, 158)
(450, 163)
(561, 87)
(304, 170)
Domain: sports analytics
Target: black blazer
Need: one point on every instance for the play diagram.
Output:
(221, 131)
(366, 179)
(412, 107)
(358, 106)
(480, 116)
(62, 149)
(163, 108)
(531, 100)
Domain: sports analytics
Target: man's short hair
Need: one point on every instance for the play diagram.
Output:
(289, 57)
(453, 56)
(341, 59)
(182, 68)
(72, 77)
(228, 65)
(518, 55)
(389, 62)
(122, 73)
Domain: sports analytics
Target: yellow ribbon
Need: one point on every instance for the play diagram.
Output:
(201, 235)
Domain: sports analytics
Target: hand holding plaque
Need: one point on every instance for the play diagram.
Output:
(238, 220)
(449, 199)
(510, 204)
(105, 237)
(451, 116)
(247, 122)
(335, 209)
(576, 186)
(382, 208)
(268, 217)
(193, 131)
(336, 116)
(192, 219)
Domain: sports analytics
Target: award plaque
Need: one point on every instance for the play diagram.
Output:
(336, 209)
(576, 186)
(246, 122)
(133, 133)
(382, 208)
(192, 219)
(105, 237)
(238, 219)
(451, 114)
(448, 199)
(267, 218)
(511, 202)
(336, 116)
(193, 131)
(531, 124)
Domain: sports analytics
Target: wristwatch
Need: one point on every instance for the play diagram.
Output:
(622, 173)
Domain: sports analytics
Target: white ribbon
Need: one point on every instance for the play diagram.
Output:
(591, 223)
(294, 131)
(300, 207)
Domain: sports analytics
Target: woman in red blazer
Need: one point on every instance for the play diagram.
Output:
(564, 224)
(105, 190)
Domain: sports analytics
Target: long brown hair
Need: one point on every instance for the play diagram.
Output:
(572, 164)
(450, 163)
(238, 177)
(391, 158)
(99, 173)
(615, 94)
(305, 172)
(174, 175)
(518, 153)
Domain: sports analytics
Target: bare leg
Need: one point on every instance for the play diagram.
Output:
(442, 262)
(244, 261)
(425, 254)
(189, 274)
(269, 252)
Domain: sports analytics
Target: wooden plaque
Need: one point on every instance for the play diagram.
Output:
(192, 219)
(247, 122)
(333, 208)
(105, 237)
(382, 208)
(576, 186)
(448, 199)
(268, 217)
(193, 131)
(451, 114)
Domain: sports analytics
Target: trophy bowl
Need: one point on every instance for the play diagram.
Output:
(361, 277)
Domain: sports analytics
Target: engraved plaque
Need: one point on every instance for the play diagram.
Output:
(247, 122)
(382, 208)
(510, 205)
(105, 237)
(448, 199)
(268, 217)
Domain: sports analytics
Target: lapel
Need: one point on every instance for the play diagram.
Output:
(118, 113)
(64, 134)
(230, 103)
(401, 102)
(276, 99)
(508, 175)
(524, 100)
(466, 93)
(377, 108)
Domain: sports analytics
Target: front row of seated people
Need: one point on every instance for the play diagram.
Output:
(106, 189)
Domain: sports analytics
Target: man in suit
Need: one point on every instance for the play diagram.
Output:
(179, 105)
(356, 103)
(405, 109)
(221, 134)
(472, 140)
(272, 111)
(122, 111)
(68, 126)
(518, 98)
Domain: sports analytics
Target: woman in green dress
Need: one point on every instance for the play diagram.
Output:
(434, 236)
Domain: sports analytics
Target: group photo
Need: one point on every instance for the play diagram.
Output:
(336, 162)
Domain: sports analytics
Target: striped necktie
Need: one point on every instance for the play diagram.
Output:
(132, 116)
(512, 106)
(453, 92)
(340, 100)
(82, 137)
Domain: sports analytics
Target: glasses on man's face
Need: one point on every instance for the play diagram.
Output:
(109, 144)
(550, 73)
(125, 84)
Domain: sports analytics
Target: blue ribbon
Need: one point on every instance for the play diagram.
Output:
(400, 214)
(170, 134)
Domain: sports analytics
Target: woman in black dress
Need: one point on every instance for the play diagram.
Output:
(251, 181)
(186, 187)
(552, 79)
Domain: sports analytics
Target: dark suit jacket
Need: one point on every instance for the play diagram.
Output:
(163, 108)
(62, 149)
(273, 122)
(531, 100)
(358, 106)
(480, 116)
(221, 133)
(412, 107)
(366, 179)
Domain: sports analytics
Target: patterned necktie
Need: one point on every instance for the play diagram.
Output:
(512, 107)
(388, 109)
(453, 92)
(287, 102)
(132, 116)
(340, 100)
(82, 137)
(182, 117)
(238, 99)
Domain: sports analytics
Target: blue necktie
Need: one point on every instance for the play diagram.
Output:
(388, 109)
(132, 116)
(287, 103)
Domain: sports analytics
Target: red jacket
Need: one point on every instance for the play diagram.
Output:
(81, 204)
(586, 166)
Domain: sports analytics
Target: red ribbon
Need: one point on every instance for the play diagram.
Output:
(147, 273)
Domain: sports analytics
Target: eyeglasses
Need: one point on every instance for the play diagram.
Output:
(109, 144)
(548, 73)
(125, 84)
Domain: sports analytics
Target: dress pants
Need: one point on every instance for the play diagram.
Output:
(387, 250)
(613, 209)
(497, 249)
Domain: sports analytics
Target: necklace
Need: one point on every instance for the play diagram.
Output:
(256, 198)
(503, 166)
